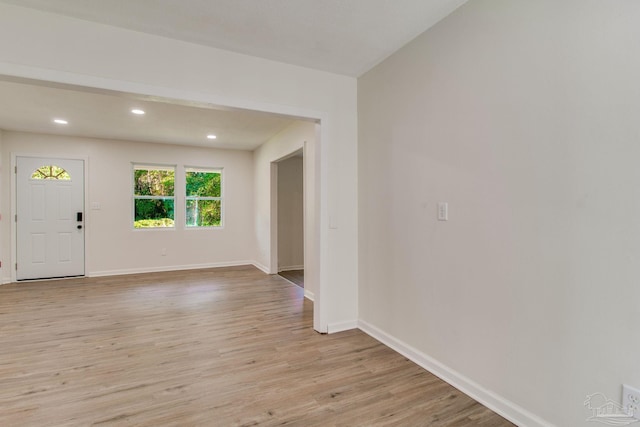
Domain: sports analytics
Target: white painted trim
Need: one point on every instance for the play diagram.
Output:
(8, 280)
(333, 328)
(273, 217)
(321, 150)
(169, 268)
(261, 267)
(290, 268)
(509, 410)
(309, 295)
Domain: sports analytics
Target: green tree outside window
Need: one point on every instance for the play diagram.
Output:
(203, 197)
(153, 196)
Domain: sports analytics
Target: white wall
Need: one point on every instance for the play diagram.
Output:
(67, 50)
(2, 213)
(291, 139)
(522, 115)
(113, 246)
(290, 214)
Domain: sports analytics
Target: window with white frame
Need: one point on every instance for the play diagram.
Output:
(153, 196)
(203, 191)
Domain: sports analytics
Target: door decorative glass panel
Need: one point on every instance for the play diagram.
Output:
(51, 172)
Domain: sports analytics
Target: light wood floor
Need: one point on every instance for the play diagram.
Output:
(294, 276)
(219, 347)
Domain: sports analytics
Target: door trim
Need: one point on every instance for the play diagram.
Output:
(14, 228)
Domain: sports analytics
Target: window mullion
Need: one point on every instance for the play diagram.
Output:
(203, 211)
(155, 208)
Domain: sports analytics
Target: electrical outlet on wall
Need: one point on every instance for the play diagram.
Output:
(631, 400)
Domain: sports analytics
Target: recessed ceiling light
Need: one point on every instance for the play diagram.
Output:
(211, 136)
(60, 121)
(137, 111)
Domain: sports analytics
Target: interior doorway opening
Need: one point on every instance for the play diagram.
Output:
(290, 218)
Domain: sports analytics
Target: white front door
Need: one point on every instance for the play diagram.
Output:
(50, 218)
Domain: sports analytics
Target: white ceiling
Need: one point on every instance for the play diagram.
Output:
(341, 36)
(32, 108)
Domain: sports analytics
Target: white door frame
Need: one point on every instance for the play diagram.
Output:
(273, 215)
(14, 183)
(310, 220)
(273, 261)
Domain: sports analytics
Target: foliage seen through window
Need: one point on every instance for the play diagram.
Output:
(51, 172)
(153, 196)
(203, 198)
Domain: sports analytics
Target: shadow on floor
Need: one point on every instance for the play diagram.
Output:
(294, 276)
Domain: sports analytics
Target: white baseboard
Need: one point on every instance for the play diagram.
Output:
(509, 410)
(105, 273)
(259, 266)
(309, 295)
(290, 268)
(168, 268)
(332, 328)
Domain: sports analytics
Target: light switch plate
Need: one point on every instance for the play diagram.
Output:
(443, 211)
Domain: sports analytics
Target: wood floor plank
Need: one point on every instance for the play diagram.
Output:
(216, 347)
(294, 276)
